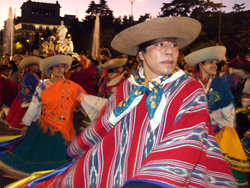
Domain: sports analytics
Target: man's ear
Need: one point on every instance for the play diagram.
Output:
(141, 56)
(200, 66)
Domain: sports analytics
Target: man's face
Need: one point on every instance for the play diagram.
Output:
(160, 58)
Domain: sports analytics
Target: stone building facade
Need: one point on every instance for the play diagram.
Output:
(37, 22)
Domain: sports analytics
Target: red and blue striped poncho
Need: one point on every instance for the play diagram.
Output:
(180, 152)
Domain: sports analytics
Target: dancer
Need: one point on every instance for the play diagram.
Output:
(221, 108)
(53, 102)
(29, 81)
(155, 130)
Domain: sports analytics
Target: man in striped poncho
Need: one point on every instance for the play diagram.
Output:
(154, 131)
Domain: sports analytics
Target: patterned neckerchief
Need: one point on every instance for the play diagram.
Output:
(155, 101)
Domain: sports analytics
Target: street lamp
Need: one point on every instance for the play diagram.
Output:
(219, 32)
(132, 3)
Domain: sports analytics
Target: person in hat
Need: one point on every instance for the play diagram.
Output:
(5, 71)
(87, 81)
(221, 107)
(155, 131)
(83, 77)
(15, 74)
(112, 75)
(28, 82)
(44, 146)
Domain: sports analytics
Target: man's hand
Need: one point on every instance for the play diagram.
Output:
(24, 129)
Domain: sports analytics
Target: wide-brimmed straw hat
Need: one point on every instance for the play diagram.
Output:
(184, 29)
(114, 63)
(51, 61)
(29, 60)
(209, 53)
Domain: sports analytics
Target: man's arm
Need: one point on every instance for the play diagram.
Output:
(92, 134)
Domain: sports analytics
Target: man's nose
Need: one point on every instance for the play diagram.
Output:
(168, 49)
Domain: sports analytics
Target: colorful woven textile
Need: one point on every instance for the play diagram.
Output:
(180, 152)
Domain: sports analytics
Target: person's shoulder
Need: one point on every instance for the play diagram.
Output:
(41, 86)
(44, 84)
(191, 80)
(190, 83)
(221, 84)
(220, 80)
(28, 77)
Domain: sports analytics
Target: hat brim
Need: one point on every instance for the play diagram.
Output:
(209, 53)
(184, 29)
(29, 60)
(114, 63)
(51, 61)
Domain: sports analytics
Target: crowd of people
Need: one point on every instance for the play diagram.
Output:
(152, 117)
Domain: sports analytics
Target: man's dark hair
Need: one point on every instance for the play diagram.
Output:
(142, 47)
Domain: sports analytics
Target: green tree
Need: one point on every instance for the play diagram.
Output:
(235, 32)
(101, 9)
(238, 7)
(83, 35)
(144, 17)
(193, 8)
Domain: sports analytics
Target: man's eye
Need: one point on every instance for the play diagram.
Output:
(173, 44)
(160, 44)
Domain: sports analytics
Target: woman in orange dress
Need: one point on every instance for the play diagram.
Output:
(53, 102)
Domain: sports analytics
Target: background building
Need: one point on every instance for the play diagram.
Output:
(37, 22)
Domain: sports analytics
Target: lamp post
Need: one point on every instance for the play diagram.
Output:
(219, 32)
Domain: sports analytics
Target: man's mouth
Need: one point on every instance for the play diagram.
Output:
(168, 62)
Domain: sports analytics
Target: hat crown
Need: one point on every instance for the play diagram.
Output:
(51, 61)
(205, 54)
(29, 60)
(184, 29)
